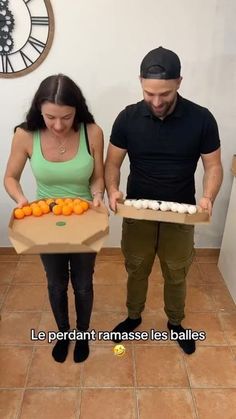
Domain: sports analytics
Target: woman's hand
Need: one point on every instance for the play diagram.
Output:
(99, 202)
(98, 199)
(22, 201)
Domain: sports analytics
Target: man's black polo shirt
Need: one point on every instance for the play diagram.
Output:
(164, 153)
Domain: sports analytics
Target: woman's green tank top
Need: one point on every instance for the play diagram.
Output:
(62, 179)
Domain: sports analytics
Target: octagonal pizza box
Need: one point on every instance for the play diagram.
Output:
(200, 217)
(59, 233)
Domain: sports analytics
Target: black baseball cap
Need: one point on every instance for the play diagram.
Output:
(160, 63)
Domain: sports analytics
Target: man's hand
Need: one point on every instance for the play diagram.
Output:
(206, 204)
(113, 198)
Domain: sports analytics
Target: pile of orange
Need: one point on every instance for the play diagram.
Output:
(58, 206)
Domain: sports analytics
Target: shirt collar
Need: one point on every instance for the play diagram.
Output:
(177, 112)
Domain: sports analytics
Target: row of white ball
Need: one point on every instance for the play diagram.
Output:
(161, 205)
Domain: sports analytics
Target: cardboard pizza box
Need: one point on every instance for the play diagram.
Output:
(200, 217)
(51, 233)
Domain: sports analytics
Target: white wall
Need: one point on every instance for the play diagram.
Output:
(100, 44)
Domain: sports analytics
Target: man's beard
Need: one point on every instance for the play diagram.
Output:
(167, 108)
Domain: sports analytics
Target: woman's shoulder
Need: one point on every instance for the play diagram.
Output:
(23, 134)
(94, 129)
(23, 139)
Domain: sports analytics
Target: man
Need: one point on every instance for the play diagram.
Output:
(164, 135)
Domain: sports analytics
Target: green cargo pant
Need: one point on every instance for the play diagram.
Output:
(174, 245)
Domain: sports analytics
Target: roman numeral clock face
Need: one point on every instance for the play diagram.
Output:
(26, 34)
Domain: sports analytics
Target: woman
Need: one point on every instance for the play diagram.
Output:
(65, 149)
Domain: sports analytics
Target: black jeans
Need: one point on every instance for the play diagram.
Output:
(79, 267)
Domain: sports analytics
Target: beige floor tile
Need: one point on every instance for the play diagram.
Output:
(101, 321)
(208, 323)
(160, 367)
(108, 273)
(111, 254)
(47, 323)
(156, 274)
(199, 299)
(221, 297)
(7, 271)
(208, 258)
(228, 322)
(210, 273)
(109, 297)
(194, 275)
(215, 404)
(165, 404)
(3, 291)
(9, 258)
(25, 298)
(154, 300)
(29, 273)
(50, 404)
(46, 372)
(103, 368)
(14, 362)
(71, 301)
(211, 367)
(10, 401)
(155, 325)
(46, 305)
(30, 258)
(233, 349)
(15, 328)
(108, 403)
(211, 370)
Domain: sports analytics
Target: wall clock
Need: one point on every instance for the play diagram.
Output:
(26, 34)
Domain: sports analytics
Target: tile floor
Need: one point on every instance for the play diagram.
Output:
(154, 379)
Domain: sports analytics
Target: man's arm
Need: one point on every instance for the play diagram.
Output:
(212, 179)
(114, 160)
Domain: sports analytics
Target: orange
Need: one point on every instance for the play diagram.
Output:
(59, 201)
(68, 201)
(45, 208)
(76, 201)
(84, 205)
(57, 210)
(27, 210)
(66, 210)
(49, 201)
(33, 205)
(78, 209)
(37, 211)
(70, 205)
(41, 203)
(19, 213)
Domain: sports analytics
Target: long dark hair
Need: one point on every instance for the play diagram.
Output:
(61, 90)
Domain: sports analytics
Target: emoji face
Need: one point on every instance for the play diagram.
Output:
(119, 350)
